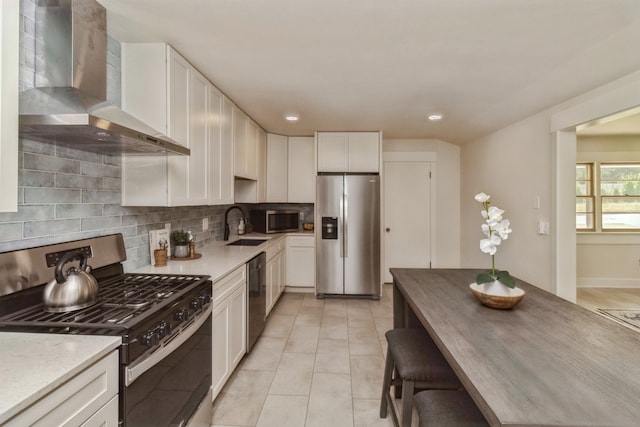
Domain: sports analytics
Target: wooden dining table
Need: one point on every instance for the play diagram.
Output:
(545, 362)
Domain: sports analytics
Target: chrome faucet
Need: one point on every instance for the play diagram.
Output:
(226, 220)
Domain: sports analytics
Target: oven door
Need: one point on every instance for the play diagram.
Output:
(169, 389)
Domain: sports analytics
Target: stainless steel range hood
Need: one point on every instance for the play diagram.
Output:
(68, 104)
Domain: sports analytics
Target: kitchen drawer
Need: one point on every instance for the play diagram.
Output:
(276, 248)
(301, 241)
(75, 401)
(224, 287)
(107, 416)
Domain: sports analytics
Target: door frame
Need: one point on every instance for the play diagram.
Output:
(616, 97)
(408, 156)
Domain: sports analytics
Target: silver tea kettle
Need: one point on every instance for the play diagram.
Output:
(73, 289)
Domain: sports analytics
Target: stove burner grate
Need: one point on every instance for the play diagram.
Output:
(120, 300)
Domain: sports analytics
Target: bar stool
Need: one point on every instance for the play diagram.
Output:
(447, 408)
(419, 365)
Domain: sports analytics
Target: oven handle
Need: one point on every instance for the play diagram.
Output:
(132, 373)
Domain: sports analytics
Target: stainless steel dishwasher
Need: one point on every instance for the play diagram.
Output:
(256, 298)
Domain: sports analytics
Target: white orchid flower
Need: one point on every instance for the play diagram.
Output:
(495, 214)
(481, 197)
(503, 229)
(496, 229)
(490, 245)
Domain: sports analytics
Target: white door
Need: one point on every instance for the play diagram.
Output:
(407, 213)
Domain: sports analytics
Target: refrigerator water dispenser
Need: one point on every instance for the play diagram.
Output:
(329, 227)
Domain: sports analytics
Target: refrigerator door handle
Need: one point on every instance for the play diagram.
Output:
(345, 232)
(340, 227)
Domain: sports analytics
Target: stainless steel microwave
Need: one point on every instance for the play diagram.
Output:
(274, 221)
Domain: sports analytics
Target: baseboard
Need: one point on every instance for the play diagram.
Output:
(299, 290)
(603, 282)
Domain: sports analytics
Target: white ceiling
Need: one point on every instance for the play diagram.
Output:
(627, 124)
(380, 64)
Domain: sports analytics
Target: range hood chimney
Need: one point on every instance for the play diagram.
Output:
(68, 104)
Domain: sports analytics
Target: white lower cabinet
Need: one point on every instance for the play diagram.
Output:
(88, 399)
(301, 262)
(229, 329)
(107, 416)
(276, 272)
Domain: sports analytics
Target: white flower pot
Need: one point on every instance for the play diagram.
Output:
(181, 251)
(496, 288)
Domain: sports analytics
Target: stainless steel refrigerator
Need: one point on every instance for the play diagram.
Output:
(348, 242)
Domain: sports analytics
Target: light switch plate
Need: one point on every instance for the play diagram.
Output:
(543, 227)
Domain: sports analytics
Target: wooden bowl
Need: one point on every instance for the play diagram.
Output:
(502, 299)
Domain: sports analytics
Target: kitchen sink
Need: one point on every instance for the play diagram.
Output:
(247, 242)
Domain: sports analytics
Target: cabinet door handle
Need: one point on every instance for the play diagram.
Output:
(387, 229)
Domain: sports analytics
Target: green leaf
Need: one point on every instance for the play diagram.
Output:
(485, 278)
(504, 278)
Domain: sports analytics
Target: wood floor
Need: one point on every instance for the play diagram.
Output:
(594, 298)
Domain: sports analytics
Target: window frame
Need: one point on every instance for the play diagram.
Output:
(602, 198)
(597, 199)
(589, 196)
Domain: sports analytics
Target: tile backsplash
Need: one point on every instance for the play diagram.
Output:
(66, 194)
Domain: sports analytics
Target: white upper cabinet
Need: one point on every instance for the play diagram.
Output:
(162, 89)
(9, 36)
(188, 184)
(301, 186)
(220, 148)
(348, 151)
(290, 169)
(250, 160)
(277, 168)
(245, 145)
(261, 141)
(177, 92)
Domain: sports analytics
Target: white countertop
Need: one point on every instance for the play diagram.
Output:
(218, 259)
(31, 365)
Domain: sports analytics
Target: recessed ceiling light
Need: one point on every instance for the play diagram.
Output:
(434, 117)
(292, 118)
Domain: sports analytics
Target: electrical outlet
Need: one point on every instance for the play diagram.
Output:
(205, 224)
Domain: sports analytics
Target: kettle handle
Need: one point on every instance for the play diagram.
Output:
(69, 256)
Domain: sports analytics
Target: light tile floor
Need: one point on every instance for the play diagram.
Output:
(318, 363)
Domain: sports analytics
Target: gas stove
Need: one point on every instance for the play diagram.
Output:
(163, 320)
(144, 309)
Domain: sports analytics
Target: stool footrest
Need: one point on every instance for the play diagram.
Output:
(447, 408)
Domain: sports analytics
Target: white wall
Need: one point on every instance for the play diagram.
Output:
(515, 165)
(447, 194)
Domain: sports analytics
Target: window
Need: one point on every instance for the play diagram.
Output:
(584, 197)
(620, 196)
(617, 197)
